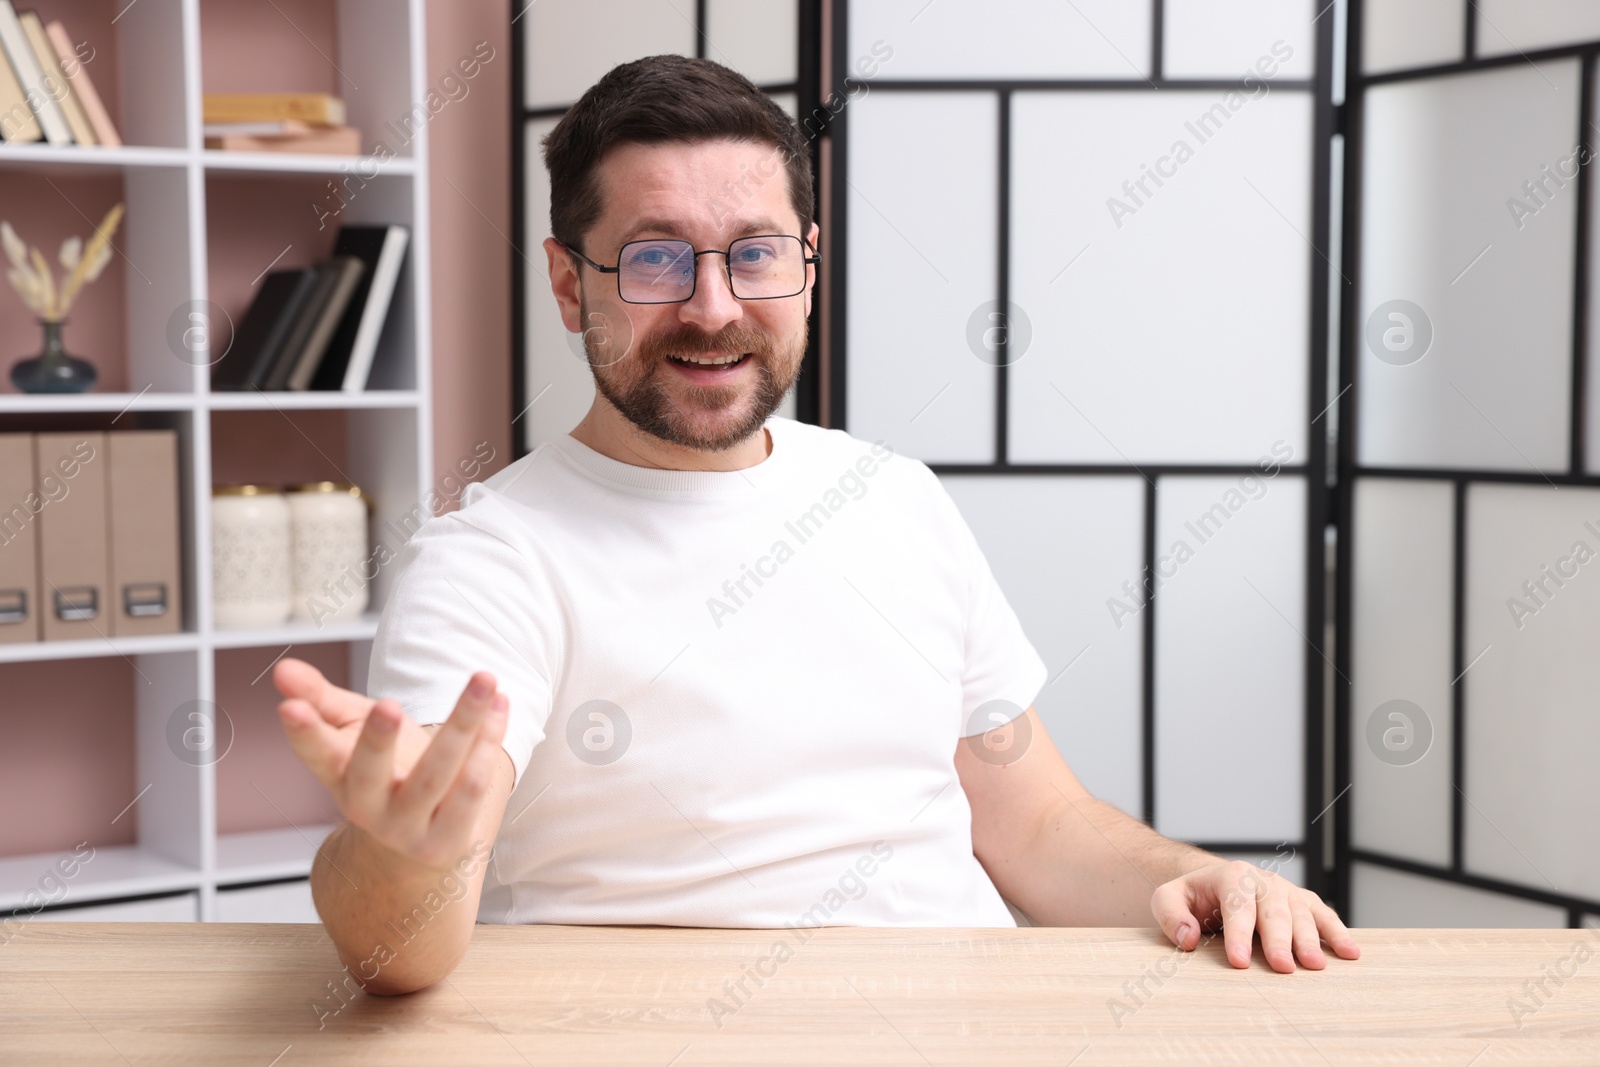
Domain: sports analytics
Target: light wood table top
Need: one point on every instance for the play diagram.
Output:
(260, 995)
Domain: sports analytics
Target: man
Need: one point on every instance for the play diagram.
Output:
(721, 668)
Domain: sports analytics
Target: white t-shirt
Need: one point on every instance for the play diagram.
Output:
(735, 695)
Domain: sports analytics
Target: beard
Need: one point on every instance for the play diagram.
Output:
(710, 418)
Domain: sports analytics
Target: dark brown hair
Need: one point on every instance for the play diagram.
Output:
(657, 100)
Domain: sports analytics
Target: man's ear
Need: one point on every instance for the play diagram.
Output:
(811, 268)
(564, 283)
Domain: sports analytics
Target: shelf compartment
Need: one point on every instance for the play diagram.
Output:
(317, 46)
(134, 54)
(123, 322)
(79, 767)
(257, 223)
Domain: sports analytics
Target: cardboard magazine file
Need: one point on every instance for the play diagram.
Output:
(70, 473)
(146, 592)
(19, 541)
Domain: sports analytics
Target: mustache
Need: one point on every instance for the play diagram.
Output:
(735, 337)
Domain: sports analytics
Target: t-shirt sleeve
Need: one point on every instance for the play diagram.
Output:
(465, 600)
(1000, 663)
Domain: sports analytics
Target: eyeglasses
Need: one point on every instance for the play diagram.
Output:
(664, 270)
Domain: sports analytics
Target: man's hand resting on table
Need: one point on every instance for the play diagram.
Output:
(423, 805)
(1239, 899)
(1066, 858)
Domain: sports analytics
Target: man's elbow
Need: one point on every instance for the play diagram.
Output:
(400, 977)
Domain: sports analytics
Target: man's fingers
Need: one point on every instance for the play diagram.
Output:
(1239, 920)
(450, 835)
(1306, 946)
(441, 762)
(313, 741)
(1334, 931)
(295, 678)
(1276, 926)
(1171, 910)
(369, 778)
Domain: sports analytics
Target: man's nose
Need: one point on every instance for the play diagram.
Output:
(713, 305)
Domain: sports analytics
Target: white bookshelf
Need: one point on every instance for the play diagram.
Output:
(167, 179)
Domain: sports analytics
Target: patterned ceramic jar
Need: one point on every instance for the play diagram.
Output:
(331, 556)
(250, 556)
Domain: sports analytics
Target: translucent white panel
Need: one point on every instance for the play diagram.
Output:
(1230, 658)
(1383, 897)
(1060, 547)
(1402, 634)
(558, 383)
(921, 267)
(289, 902)
(1170, 320)
(757, 38)
(177, 909)
(1592, 922)
(1592, 411)
(1466, 280)
(1285, 862)
(1258, 39)
(790, 103)
(1533, 612)
(1003, 38)
(1507, 26)
(1399, 34)
(571, 43)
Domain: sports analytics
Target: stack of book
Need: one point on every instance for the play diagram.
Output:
(45, 90)
(318, 327)
(279, 122)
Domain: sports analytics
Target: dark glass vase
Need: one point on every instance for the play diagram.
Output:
(53, 370)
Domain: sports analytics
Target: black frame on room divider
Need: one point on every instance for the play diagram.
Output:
(1314, 842)
(1349, 469)
(807, 88)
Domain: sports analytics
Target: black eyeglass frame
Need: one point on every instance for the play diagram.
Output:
(723, 252)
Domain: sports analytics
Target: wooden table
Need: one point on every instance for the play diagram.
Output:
(260, 995)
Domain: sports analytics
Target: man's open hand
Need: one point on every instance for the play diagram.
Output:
(1243, 899)
(414, 793)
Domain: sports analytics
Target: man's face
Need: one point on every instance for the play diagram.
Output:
(709, 194)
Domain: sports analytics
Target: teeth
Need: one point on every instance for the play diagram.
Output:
(710, 362)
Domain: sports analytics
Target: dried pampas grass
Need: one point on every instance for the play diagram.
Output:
(30, 274)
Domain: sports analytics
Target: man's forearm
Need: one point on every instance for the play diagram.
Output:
(1090, 864)
(398, 926)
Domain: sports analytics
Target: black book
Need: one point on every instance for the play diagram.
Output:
(348, 272)
(349, 355)
(277, 375)
(263, 330)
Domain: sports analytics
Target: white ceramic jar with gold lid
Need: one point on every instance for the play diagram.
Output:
(250, 556)
(330, 551)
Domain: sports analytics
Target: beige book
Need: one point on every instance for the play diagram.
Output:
(319, 109)
(335, 141)
(83, 88)
(16, 117)
(55, 82)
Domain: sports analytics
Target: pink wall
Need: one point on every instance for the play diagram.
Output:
(470, 148)
(67, 761)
